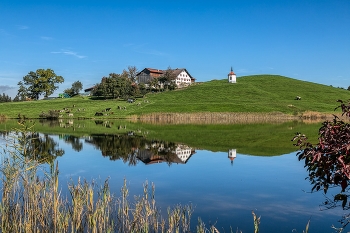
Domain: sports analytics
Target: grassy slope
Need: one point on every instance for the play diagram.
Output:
(260, 93)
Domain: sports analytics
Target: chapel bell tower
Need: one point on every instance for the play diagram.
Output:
(231, 77)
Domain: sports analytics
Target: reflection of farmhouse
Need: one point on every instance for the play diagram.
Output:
(183, 77)
(232, 155)
(157, 153)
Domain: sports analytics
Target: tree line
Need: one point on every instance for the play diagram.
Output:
(125, 85)
(44, 82)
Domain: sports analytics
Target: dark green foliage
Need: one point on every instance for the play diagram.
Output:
(5, 98)
(116, 86)
(75, 89)
(37, 83)
(77, 86)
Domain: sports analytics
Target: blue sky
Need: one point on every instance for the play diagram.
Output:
(86, 40)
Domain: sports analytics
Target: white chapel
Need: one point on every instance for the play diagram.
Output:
(231, 77)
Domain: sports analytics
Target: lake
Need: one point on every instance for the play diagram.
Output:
(224, 184)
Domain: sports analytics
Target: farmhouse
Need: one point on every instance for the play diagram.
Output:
(182, 76)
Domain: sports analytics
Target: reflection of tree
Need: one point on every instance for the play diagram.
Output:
(77, 145)
(116, 147)
(131, 148)
(41, 148)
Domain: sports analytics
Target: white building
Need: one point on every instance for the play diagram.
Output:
(181, 77)
(231, 77)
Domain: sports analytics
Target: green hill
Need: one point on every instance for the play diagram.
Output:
(258, 94)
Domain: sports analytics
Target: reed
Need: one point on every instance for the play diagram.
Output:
(31, 200)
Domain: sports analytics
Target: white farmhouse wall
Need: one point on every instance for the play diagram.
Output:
(183, 79)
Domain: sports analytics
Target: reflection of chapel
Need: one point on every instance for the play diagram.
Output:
(232, 155)
(231, 77)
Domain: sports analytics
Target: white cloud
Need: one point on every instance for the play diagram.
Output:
(71, 53)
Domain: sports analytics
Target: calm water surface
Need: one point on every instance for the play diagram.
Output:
(224, 187)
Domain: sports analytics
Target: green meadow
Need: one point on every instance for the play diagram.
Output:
(251, 94)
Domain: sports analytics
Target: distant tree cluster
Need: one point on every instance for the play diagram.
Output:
(118, 85)
(124, 85)
(75, 89)
(5, 98)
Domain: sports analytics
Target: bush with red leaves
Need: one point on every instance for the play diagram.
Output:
(328, 162)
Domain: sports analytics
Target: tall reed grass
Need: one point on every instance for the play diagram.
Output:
(31, 200)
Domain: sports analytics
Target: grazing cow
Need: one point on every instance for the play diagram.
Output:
(98, 114)
(297, 98)
(130, 101)
(107, 109)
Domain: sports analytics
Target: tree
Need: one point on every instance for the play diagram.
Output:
(5, 98)
(132, 72)
(69, 91)
(328, 161)
(40, 82)
(168, 79)
(115, 86)
(77, 86)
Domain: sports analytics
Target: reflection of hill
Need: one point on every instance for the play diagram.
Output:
(253, 139)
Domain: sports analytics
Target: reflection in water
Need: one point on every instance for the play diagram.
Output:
(77, 145)
(130, 148)
(35, 146)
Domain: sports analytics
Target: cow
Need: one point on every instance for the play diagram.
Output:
(98, 114)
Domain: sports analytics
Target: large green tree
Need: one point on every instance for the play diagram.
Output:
(40, 82)
(115, 86)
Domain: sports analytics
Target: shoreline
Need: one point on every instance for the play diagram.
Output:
(214, 118)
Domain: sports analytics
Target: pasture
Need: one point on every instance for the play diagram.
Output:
(251, 94)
